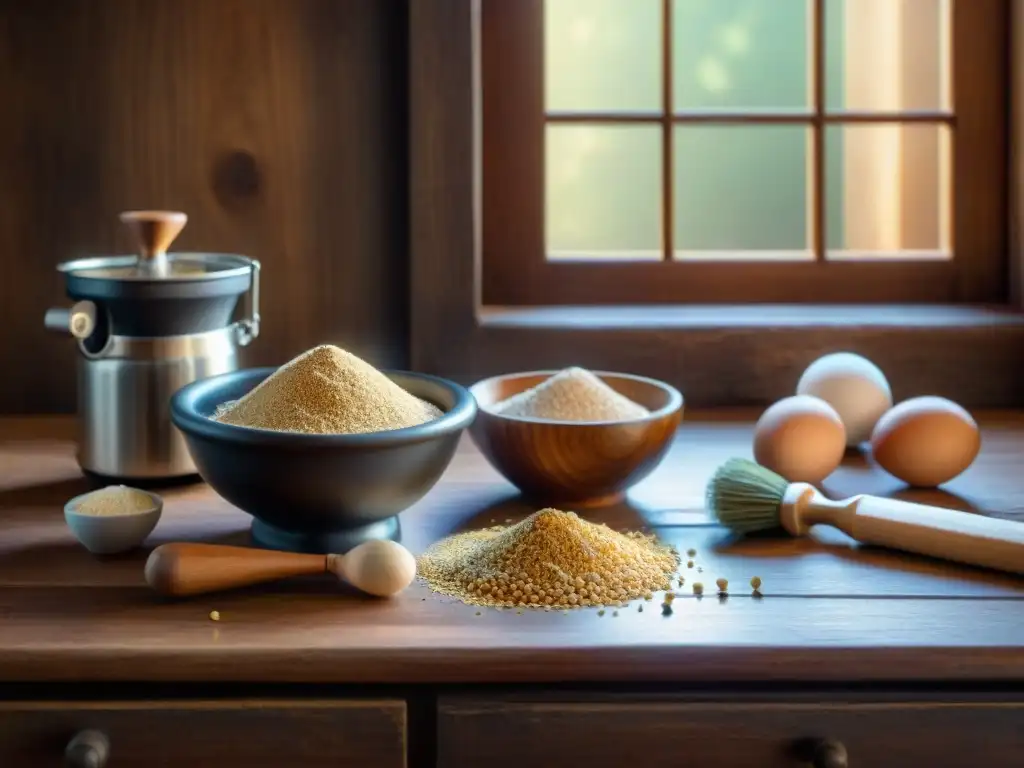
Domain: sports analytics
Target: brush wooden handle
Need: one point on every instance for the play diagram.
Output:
(192, 569)
(949, 534)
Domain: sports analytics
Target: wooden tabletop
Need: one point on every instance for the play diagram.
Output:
(830, 611)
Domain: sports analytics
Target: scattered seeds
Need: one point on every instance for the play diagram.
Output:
(689, 563)
(669, 597)
(722, 584)
(680, 581)
(698, 588)
(601, 612)
(691, 552)
(552, 558)
(214, 615)
(755, 583)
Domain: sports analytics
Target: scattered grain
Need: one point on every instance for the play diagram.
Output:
(689, 563)
(601, 612)
(691, 552)
(214, 615)
(669, 597)
(550, 558)
(327, 390)
(722, 584)
(755, 583)
(115, 500)
(698, 588)
(574, 394)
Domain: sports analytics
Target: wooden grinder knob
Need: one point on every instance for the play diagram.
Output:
(154, 232)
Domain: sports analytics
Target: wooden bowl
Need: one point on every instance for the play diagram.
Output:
(575, 463)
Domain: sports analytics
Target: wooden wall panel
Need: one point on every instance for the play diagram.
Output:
(278, 125)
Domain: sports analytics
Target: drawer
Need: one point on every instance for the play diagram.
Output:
(624, 733)
(209, 734)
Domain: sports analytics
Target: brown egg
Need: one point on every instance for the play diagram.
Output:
(801, 438)
(926, 441)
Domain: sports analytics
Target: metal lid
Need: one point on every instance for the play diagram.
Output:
(159, 294)
(154, 232)
(175, 267)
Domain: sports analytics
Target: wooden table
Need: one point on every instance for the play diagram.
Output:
(905, 661)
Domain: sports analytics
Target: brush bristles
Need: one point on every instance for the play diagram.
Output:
(745, 497)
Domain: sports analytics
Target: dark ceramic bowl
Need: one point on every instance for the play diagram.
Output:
(320, 493)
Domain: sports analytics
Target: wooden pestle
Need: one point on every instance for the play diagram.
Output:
(380, 568)
(182, 569)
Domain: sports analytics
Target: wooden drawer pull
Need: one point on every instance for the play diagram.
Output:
(830, 754)
(89, 749)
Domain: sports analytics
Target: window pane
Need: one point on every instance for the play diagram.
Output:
(741, 188)
(602, 55)
(888, 55)
(603, 191)
(888, 190)
(736, 54)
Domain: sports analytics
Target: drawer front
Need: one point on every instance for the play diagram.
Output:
(514, 733)
(209, 734)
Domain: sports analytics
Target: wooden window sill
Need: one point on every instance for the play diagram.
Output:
(755, 318)
(752, 354)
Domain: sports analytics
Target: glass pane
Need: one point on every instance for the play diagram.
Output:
(888, 190)
(602, 55)
(740, 54)
(888, 55)
(742, 188)
(603, 191)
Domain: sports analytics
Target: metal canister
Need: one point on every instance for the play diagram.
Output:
(145, 325)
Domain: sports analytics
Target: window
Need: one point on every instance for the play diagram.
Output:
(920, 276)
(684, 151)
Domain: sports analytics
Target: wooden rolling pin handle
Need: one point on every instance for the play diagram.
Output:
(948, 534)
(190, 569)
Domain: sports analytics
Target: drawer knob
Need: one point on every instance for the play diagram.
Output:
(830, 754)
(89, 749)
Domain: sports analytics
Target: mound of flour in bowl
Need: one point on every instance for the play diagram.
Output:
(574, 394)
(327, 390)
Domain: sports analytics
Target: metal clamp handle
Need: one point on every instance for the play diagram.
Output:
(79, 320)
(248, 329)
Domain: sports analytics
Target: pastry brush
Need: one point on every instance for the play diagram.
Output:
(746, 497)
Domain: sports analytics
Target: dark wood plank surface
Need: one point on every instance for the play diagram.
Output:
(277, 125)
(830, 610)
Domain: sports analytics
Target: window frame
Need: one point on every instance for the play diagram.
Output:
(517, 272)
(717, 354)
